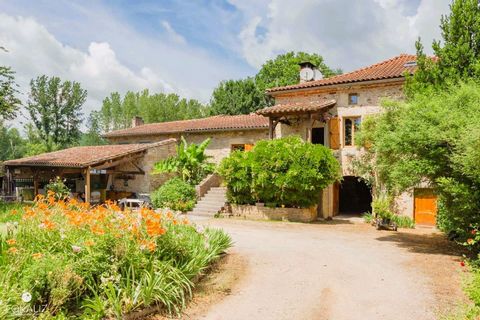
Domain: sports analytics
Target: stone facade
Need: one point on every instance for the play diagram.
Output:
(369, 101)
(148, 182)
(278, 214)
(220, 145)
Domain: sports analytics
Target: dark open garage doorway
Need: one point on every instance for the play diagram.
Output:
(355, 196)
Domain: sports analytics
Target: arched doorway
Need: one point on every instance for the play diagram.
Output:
(355, 196)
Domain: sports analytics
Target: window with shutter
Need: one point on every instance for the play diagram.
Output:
(334, 133)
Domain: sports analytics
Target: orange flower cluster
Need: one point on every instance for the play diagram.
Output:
(143, 226)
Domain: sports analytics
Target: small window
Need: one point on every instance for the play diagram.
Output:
(350, 126)
(238, 147)
(353, 98)
(241, 147)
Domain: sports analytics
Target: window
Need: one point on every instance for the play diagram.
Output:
(242, 147)
(353, 98)
(238, 147)
(350, 126)
(318, 136)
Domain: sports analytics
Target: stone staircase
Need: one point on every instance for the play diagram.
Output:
(211, 203)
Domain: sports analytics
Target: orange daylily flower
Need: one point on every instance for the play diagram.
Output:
(47, 224)
(154, 228)
(37, 255)
(150, 245)
(11, 242)
(12, 250)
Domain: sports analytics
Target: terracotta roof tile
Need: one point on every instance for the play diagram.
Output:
(215, 123)
(82, 157)
(297, 107)
(388, 69)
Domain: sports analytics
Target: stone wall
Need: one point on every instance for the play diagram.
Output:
(148, 182)
(279, 214)
(220, 144)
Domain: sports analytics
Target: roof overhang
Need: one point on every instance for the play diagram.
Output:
(62, 158)
(296, 108)
(343, 85)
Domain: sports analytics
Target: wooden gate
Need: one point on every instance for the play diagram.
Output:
(425, 207)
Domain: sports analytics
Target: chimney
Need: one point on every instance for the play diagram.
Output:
(137, 121)
(307, 71)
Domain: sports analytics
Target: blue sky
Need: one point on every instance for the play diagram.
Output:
(187, 47)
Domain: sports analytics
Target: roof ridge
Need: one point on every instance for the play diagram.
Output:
(367, 67)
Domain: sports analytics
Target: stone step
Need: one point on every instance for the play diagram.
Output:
(208, 208)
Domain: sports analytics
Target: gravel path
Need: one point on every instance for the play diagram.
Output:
(342, 271)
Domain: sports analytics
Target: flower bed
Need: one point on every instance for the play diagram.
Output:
(69, 259)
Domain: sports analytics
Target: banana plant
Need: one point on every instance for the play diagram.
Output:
(191, 162)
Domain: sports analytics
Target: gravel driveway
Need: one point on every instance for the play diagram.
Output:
(337, 271)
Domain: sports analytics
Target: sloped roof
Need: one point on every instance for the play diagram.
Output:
(82, 157)
(297, 107)
(388, 69)
(215, 123)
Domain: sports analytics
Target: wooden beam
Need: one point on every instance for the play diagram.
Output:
(111, 163)
(87, 185)
(35, 184)
(125, 172)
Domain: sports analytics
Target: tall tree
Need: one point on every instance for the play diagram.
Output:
(12, 145)
(9, 103)
(55, 110)
(117, 112)
(93, 136)
(457, 55)
(284, 69)
(248, 95)
(237, 97)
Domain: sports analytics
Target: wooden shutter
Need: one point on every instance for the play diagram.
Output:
(248, 147)
(334, 133)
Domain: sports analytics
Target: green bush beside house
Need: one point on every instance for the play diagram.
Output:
(284, 172)
(175, 194)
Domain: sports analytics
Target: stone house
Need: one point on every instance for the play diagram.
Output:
(325, 111)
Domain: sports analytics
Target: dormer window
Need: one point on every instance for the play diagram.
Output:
(353, 98)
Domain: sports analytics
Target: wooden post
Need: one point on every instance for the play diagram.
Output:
(309, 128)
(35, 184)
(87, 185)
(270, 128)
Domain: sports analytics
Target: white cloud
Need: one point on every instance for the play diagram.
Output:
(172, 33)
(349, 34)
(34, 51)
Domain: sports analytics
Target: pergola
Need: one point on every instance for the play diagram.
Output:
(78, 160)
(283, 113)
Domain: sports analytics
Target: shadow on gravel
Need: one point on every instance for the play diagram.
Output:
(431, 243)
(332, 222)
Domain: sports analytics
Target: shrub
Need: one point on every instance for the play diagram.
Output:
(381, 209)
(191, 162)
(281, 172)
(57, 188)
(84, 262)
(237, 173)
(175, 194)
(367, 217)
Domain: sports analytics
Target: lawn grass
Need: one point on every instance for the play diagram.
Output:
(10, 211)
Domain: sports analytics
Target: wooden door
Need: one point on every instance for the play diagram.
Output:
(336, 198)
(425, 207)
(334, 133)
